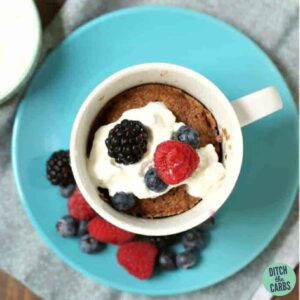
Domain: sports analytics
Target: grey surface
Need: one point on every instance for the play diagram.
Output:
(273, 24)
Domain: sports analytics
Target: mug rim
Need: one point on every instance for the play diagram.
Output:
(75, 160)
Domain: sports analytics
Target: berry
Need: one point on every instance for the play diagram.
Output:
(166, 260)
(79, 208)
(189, 135)
(175, 161)
(67, 226)
(82, 228)
(138, 258)
(106, 232)
(67, 191)
(122, 201)
(162, 242)
(186, 259)
(206, 225)
(90, 245)
(59, 171)
(127, 142)
(192, 239)
(153, 182)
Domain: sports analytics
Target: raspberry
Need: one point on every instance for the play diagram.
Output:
(138, 258)
(106, 232)
(79, 208)
(175, 161)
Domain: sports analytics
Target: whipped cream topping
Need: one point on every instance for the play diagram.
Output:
(161, 123)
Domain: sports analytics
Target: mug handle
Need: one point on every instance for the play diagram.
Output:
(257, 105)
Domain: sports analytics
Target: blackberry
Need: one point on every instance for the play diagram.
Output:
(59, 171)
(127, 142)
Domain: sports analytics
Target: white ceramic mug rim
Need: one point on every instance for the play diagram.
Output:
(75, 160)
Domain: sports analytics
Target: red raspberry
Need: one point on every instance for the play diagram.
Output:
(79, 208)
(138, 258)
(106, 232)
(175, 161)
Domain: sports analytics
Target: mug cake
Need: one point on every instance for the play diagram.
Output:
(154, 151)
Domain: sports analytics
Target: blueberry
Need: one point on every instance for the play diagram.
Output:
(67, 226)
(186, 259)
(206, 225)
(153, 182)
(122, 201)
(67, 191)
(188, 135)
(82, 228)
(90, 245)
(166, 260)
(161, 242)
(192, 239)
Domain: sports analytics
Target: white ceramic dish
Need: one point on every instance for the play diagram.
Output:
(230, 117)
(20, 38)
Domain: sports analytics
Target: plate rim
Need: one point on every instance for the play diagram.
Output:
(16, 166)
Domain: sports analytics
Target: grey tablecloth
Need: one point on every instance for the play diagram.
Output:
(273, 24)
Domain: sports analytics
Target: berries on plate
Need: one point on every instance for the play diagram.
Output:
(67, 191)
(189, 135)
(163, 242)
(79, 208)
(122, 201)
(192, 239)
(127, 142)
(90, 245)
(166, 260)
(153, 182)
(82, 227)
(106, 232)
(59, 171)
(138, 258)
(175, 161)
(186, 259)
(67, 226)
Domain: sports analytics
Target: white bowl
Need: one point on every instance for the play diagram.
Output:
(20, 38)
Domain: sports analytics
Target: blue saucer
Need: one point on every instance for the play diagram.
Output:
(267, 185)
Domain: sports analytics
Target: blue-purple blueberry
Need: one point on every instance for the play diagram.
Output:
(67, 226)
(90, 245)
(82, 228)
(189, 135)
(166, 260)
(153, 181)
(123, 201)
(67, 191)
(186, 259)
(192, 239)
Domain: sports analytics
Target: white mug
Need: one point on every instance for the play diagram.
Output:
(230, 116)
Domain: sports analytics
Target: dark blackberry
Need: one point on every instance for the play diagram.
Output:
(127, 142)
(59, 171)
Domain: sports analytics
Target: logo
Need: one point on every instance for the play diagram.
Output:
(279, 279)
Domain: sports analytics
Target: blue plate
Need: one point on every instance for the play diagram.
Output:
(267, 185)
